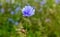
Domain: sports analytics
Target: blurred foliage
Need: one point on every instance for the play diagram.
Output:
(44, 23)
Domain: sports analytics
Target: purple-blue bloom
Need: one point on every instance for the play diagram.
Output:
(56, 1)
(11, 20)
(8, 1)
(28, 11)
(42, 3)
(0, 4)
(17, 9)
(16, 23)
(12, 12)
(2, 10)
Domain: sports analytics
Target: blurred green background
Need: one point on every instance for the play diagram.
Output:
(44, 23)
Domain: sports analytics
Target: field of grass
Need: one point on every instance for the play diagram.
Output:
(44, 23)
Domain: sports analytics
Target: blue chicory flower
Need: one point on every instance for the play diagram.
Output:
(2, 10)
(56, 1)
(0, 4)
(42, 3)
(12, 12)
(28, 11)
(17, 9)
(16, 23)
(8, 1)
(11, 20)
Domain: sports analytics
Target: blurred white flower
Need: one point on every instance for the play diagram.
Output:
(12, 1)
(47, 20)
